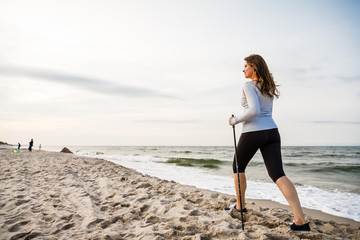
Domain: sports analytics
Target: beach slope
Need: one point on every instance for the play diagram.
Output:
(47, 195)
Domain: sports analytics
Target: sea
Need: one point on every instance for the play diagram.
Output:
(327, 178)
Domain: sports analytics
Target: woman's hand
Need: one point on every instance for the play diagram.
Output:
(230, 121)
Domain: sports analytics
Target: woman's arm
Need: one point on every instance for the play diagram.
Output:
(253, 109)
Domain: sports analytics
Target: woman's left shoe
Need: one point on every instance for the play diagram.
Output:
(300, 228)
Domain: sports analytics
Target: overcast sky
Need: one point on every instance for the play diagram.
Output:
(168, 72)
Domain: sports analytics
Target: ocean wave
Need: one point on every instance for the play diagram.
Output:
(324, 164)
(193, 162)
(335, 169)
(186, 152)
(297, 155)
(320, 156)
(255, 163)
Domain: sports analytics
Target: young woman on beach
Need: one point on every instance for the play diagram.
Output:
(260, 132)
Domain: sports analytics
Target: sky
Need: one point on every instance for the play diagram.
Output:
(91, 72)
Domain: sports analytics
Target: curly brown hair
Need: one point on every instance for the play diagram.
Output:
(265, 82)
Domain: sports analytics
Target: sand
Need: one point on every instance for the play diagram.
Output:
(46, 195)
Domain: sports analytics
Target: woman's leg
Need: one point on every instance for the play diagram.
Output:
(243, 189)
(271, 153)
(247, 146)
(290, 193)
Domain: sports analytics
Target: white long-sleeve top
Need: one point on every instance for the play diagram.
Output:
(257, 113)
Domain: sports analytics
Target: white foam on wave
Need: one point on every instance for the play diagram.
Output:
(333, 202)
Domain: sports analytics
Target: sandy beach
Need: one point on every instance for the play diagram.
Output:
(48, 195)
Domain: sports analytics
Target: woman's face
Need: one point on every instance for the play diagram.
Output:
(248, 70)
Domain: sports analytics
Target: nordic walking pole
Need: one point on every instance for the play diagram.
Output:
(238, 177)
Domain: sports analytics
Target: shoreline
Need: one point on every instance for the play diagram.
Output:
(59, 195)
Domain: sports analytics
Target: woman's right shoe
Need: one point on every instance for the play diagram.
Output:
(300, 228)
(244, 210)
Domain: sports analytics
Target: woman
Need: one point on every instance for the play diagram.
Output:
(260, 132)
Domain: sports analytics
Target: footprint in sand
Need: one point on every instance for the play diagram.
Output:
(94, 223)
(20, 235)
(144, 185)
(105, 224)
(20, 196)
(195, 213)
(17, 226)
(142, 199)
(153, 219)
(68, 226)
(65, 227)
(144, 208)
(21, 202)
(187, 207)
(104, 208)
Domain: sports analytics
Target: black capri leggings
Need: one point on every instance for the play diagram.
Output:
(268, 141)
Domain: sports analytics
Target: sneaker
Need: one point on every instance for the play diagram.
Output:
(300, 228)
(244, 210)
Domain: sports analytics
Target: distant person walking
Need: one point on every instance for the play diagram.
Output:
(39, 147)
(260, 132)
(31, 144)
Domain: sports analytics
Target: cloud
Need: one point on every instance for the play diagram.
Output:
(336, 122)
(92, 84)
